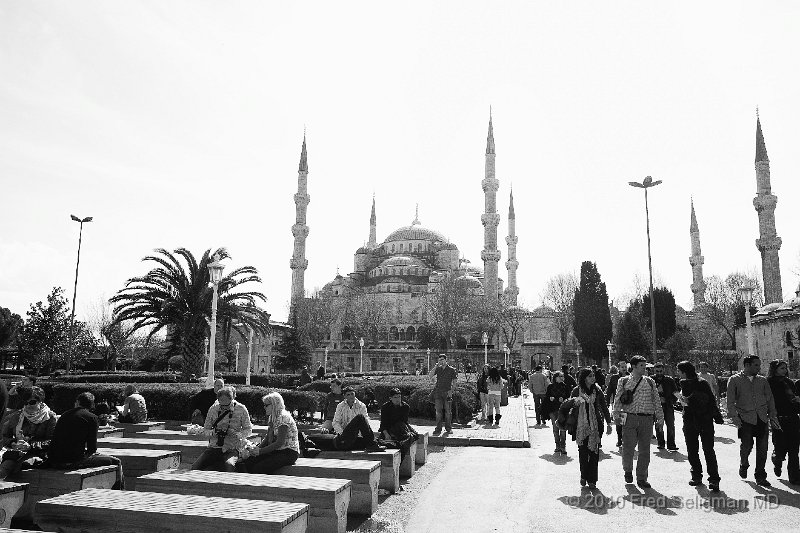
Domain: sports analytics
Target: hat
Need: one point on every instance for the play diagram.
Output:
(394, 391)
(348, 389)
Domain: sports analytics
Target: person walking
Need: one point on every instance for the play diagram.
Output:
(556, 393)
(568, 378)
(592, 411)
(494, 385)
(752, 410)
(700, 412)
(786, 440)
(483, 391)
(710, 378)
(444, 379)
(538, 383)
(636, 404)
(611, 389)
(666, 391)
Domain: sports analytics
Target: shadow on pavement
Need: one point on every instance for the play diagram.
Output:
(556, 459)
(675, 456)
(724, 440)
(775, 497)
(660, 503)
(590, 500)
(719, 502)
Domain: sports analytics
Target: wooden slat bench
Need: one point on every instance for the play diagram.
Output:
(190, 449)
(110, 431)
(364, 475)
(45, 483)
(12, 496)
(328, 499)
(131, 429)
(137, 463)
(390, 464)
(102, 511)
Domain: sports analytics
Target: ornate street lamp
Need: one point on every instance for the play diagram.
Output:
(75, 291)
(428, 351)
(610, 347)
(505, 352)
(326, 359)
(361, 350)
(646, 184)
(485, 339)
(215, 269)
(236, 368)
(746, 294)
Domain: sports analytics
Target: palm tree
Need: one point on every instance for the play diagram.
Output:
(179, 299)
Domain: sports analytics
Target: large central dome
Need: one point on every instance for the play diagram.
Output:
(416, 232)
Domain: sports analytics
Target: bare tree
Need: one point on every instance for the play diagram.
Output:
(363, 315)
(512, 321)
(315, 317)
(450, 308)
(559, 293)
(722, 299)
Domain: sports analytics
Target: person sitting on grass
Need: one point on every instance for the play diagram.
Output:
(134, 410)
(350, 426)
(279, 448)
(394, 423)
(227, 427)
(74, 442)
(26, 433)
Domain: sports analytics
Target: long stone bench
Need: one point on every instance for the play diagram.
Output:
(390, 464)
(328, 499)
(12, 496)
(364, 475)
(131, 429)
(45, 483)
(110, 431)
(169, 434)
(422, 448)
(137, 463)
(256, 429)
(190, 449)
(102, 511)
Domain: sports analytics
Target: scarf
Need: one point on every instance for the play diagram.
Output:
(587, 421)
(41, 414)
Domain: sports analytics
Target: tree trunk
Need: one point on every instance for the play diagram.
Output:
(192, 350)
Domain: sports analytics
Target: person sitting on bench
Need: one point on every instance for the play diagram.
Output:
(394, 423)
(279, 448)
(351, 427)
(27, 433)
(227, 428)
(134, 410)
(74, 442)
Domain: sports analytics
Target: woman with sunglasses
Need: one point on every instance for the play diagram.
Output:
(280, 447)
(27, 433)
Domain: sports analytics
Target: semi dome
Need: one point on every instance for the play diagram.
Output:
(401, 261)
(471, 282)
(415, 232)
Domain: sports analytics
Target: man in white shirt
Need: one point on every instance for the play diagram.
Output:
(350, 426)
(707, 376)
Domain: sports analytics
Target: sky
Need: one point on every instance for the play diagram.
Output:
(179, 124)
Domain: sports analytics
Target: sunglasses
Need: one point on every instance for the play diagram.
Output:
(32, 402)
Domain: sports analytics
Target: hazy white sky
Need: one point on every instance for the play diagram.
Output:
(180, 124)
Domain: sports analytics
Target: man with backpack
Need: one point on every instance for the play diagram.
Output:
(636, 405)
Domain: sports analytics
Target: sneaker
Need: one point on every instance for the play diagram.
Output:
(643, 484)
(558, 450)
(743, 472)
(695, 482)
(437, 431)
(628, 477)
(763, 483)
(660, 446)
(583, 482)
(619, 444)
(673, 450)
(374, 447)
(713, 487)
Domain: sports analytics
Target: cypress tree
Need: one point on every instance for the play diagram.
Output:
(592, 324)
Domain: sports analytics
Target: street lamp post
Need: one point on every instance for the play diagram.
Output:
(205, 353)
(646, 184)
(236, 367)
(428, 351)
(505, 354)
(578, 354)
(249, 355)
(75, 291)
(361, 350)
(485, 339)
(215, 269)
(746, 294)
(326, 360)
(610, 347)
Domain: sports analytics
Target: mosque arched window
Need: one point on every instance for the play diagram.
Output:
(401, 246)
(393, 334)
(410, 334)
(393, 248)
(401, 334)
(419, 246)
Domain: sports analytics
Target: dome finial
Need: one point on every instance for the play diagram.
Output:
(416, 221)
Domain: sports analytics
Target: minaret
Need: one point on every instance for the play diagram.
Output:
(490, 219)
(698, 286)
(768, 242)
(299, 263)
(512, 291)
(373, 227)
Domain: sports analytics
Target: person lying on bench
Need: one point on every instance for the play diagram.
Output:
(279, 448)
(27, 432)
(134, 410)
(227, 428)
(394, 423)
(350, 426)
(74, 442)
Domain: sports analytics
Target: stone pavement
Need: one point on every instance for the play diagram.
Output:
(525, 490)
(511, 433)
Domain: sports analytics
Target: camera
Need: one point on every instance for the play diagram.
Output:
(221, 437)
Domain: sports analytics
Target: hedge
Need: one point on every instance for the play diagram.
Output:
(121, 377)
(171, 401)
(281, 381)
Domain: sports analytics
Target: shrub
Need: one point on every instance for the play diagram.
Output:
(281, 381)
(122, 377)
(170, 401)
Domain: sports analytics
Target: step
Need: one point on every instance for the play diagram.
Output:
(190, 449)
(45, 483)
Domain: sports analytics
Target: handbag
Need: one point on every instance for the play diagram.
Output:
(627, 395)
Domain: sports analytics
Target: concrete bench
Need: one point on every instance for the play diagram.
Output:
(12, 496)
(101, 511)
(137, 463)
(257, 430)
(132, 429)
(169, 434)
(422, 448)
(364, 475)
(328, 499)
(110, 431)
(390, 464)
(45, 483)
(190, 449)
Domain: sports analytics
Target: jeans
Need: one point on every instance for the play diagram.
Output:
(14, 461)
(493, 401)
(760, 433)
(588, 462)
(669, 423)
(484, 404)
(356, 435)
(215, 459)
(637, 433)
(443, 402)
(537, 404)
(268, 463)
(787, 443)
(704, 435)
(560, 435)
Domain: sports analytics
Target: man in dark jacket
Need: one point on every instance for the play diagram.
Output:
(74, 442)
(666, 391)
(394, 422)
(786, 441)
